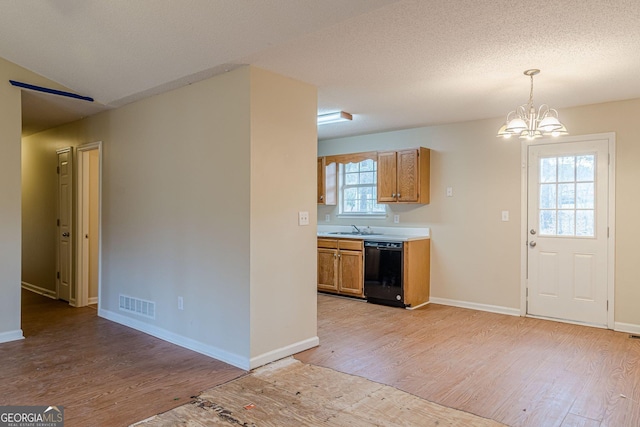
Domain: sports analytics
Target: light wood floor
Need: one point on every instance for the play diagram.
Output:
(104, 374)
(518, 371)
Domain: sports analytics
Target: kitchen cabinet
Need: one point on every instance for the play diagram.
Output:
(416, 272)
(403, 176)
(340, 266)
(327, 182)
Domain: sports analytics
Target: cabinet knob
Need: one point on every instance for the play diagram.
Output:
(393, 194)
(398, 195)
(321, 197)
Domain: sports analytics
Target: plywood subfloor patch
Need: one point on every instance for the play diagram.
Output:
(289, 392)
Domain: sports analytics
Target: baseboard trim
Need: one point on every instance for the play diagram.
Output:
(419, 305)
(627, 327)
(39, 290)
(283, 352)
(93, 300)
(11, 336)
(182, 341)
(476, 306)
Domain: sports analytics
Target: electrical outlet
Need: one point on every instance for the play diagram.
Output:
(505, 216)
(303, 218)
(449, 191)
(327, 218)
(180, 303)
(396, 219)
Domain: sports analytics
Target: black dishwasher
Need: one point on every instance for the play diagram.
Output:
(383, 271)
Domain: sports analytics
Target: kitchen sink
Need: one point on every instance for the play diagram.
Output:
(354, 233)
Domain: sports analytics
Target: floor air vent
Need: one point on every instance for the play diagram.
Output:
(635, 337)
(138, 306)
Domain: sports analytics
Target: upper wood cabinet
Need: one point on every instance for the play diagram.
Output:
(327, 182)
(403, 176)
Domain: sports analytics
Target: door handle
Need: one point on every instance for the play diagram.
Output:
(532, 244)
(532, 231)
(65, 234)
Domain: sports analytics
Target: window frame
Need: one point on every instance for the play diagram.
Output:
(342, 186)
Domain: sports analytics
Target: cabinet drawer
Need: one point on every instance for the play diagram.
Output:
(328, 243)
(354, 245)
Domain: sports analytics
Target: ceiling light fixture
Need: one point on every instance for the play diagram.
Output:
(526, 123)
(338, 116)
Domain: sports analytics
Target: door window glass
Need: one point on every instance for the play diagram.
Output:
(567, 196)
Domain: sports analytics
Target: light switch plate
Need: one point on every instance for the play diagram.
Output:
(449, 191)
(396, 219)
(327, 218)
(303, 218)
(505, 216)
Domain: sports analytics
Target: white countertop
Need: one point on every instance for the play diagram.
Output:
(380, 234)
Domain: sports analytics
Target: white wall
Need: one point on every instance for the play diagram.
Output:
(283, 254)
(476, 256)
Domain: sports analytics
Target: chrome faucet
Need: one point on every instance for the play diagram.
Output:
(356, 228)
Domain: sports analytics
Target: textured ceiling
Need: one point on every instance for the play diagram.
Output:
(393, 64)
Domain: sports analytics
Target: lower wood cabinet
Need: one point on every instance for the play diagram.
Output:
(417, 269)
(340, 266)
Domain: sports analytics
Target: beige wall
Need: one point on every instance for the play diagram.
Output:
(10, 128)
(283, 254)
(476, 256)
(180, 216)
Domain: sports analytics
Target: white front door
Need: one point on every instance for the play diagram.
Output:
(568, 186)
(65, 223)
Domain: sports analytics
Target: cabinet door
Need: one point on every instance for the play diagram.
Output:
(327, 270)
(350, 273)
(327, 182)
(408, 176)
(387, 177)
(321, 180)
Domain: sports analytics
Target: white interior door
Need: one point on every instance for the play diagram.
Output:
(65, 224)
(568, 187)
(88, 223)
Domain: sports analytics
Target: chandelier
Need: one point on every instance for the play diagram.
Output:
(525, 122)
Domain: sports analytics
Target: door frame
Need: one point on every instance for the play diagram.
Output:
(82, 286)
(611, 216)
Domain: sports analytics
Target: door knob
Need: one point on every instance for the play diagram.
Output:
(65, 234)
(532, 244)
(533, 232)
